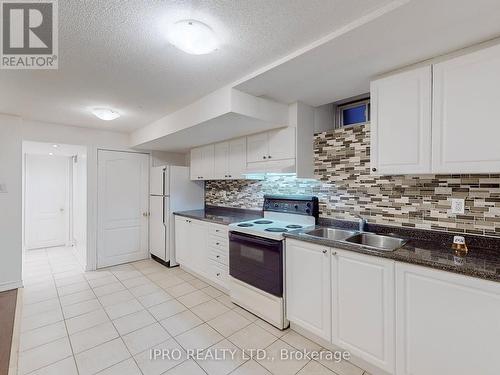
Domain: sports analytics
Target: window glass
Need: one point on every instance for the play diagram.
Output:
(354, 115)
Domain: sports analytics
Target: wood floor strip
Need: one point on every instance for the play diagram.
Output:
(7, 315)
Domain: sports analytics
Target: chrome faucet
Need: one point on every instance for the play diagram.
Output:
(361, 223)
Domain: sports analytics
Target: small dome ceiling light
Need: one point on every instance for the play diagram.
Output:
(193, 37)
(105, 114)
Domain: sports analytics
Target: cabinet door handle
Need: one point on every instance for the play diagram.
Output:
(269, 156)
(229, 176)
(217, 243)
(217, 256)
(334, 253)
(263, 157)
(217, 230)
(325, 251)
(218, 273)
(374, 169)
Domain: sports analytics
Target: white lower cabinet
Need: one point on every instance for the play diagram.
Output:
(446, 323)
(400, 318)
(182, 239)
(308, 287)
(203, 247)
(191, 243)
(363, 307)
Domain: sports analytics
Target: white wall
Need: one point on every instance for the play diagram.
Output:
(10, 202)
(92, 139)
(169, 158)
(323, 118)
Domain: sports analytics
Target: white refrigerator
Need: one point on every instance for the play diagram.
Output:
(171, 190)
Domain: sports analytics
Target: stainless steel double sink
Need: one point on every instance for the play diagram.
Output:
(367, 240)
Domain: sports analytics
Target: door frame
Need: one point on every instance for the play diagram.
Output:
(93, 201)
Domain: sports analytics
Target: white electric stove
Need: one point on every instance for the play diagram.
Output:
(257, 255)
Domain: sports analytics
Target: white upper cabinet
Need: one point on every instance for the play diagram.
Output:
(281, 144)
(221, 162)
(237, 158)
(465, 113)
(202, 163)
(308, 287)
(257, 148)
(272, 151)
(363, 307)
(401, 123)
(230, 159)
(196, 169)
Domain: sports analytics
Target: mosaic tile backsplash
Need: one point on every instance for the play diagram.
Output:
(345, 187)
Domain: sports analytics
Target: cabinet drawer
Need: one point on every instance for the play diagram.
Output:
(218, 243)
(218, 256)
(218, 230)
(218, 273)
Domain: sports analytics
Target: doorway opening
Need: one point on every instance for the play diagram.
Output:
(55, 201)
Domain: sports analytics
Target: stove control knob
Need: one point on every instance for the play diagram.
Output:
(296, 206)
(276, 205)
(308, 204)
(308, 211)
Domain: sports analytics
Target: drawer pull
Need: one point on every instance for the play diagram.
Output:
(217, 256)
(217, 243)
(218, 273)
(325, 251)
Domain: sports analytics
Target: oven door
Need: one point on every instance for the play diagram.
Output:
(257, 261)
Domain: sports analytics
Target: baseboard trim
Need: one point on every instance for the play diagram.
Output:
(162, 262)
(11, 285)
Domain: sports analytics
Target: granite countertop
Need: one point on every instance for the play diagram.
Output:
(221, 215)
(480, 262)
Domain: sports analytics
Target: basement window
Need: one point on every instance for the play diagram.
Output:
(353, 113)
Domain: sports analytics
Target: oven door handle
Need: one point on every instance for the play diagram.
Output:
(249, 238)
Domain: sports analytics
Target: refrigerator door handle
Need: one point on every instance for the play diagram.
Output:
(163, 211)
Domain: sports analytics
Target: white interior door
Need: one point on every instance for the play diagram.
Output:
(47, 185)
(123, 192)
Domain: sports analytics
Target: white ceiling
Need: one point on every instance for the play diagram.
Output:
(343, 67)
(114, 53)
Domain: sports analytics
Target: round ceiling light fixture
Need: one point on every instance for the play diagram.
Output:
(105, 114)
(193, 37)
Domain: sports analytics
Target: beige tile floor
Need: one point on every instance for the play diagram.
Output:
(106, 322)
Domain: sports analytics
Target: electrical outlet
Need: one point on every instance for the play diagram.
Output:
(457, 206)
